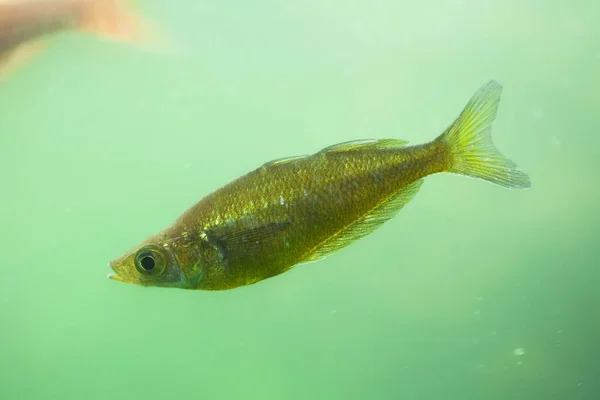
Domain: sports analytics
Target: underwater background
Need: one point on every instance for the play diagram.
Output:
(472, 291)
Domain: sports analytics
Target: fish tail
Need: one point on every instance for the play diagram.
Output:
(117, 20)
(469, 141)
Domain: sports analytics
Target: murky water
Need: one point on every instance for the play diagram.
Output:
(472, 292)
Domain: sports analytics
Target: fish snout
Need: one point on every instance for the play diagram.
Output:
(113, 275)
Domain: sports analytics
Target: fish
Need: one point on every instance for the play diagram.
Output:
(300, 209)
(26, 24)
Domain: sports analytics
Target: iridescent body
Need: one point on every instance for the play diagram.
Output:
(301, 209)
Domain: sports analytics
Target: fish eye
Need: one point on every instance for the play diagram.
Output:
(150, 261)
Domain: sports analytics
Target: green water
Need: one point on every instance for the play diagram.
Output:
(103, 144)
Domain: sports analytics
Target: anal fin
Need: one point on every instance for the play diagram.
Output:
(367, 224)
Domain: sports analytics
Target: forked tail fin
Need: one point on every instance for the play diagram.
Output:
(469, 140)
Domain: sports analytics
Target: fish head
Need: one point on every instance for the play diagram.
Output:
(152, 263)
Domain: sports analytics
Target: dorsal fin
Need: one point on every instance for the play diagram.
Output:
(367, 224)
(281, 161)
(366, 144)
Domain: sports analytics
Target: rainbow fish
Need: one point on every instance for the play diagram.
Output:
(300, 209)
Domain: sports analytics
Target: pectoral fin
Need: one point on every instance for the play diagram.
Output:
(245, 239)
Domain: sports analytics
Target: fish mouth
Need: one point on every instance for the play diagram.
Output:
(114, 276)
